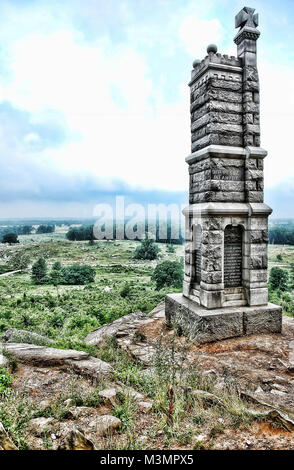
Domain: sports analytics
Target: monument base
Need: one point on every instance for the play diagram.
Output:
(205, 326)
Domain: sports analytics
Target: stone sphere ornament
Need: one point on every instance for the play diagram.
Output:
(196, 62)
(212, 48)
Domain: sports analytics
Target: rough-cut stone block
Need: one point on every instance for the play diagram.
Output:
(206, 326)
(266, 319)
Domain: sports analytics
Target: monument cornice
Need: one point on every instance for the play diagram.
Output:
(223, 151)
(215, 66)
(227, 208)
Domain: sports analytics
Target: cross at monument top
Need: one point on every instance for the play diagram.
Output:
(246, 17)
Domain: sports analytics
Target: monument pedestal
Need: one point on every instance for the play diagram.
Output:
(205, 326)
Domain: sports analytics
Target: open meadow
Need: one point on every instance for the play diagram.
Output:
(122, 285)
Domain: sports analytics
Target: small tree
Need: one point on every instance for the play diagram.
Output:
(147, 250)
(10, 238)
(168, 273)
(278, 279)
(56, 274)
(39, 272)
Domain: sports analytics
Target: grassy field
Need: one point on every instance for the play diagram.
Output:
(73, 311)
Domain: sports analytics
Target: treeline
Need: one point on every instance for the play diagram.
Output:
(86, 233)
(25, 229)
(281, 235)
(17, 229)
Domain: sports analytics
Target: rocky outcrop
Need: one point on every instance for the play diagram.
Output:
(118, 328)
(91, 367)
(13, 335)
(42, 355)
(78, 361)
(263, 365)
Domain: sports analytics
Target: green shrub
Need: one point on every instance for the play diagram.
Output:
(147, 250)
(5, 380)
(10, 238)
(278, 279)
(168, 273)
(77, 275)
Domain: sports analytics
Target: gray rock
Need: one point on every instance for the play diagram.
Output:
(76, 440)
(104, 425)
(3, 360)
(108, 395)
(92, 367)
(39, 426)
(145, 406)
(42, 355)
(116, 328)
(14, 335)
(77, 412)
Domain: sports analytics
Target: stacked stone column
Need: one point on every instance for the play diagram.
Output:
(225, 282)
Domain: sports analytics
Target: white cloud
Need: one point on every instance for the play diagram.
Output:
(124, 137)
(277, 118)
(197, 34)
(32, 138)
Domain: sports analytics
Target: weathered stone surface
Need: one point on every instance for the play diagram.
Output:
(3, 360)
(40, 426)
(13, 335)
(92, 367)
(43, 355)
(76, 440)
(78, 361)
(108, 395)
(118, 327)
(77, 412)
(145, 406)
(104, 425)
(5, 442)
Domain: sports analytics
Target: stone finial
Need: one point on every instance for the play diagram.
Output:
(246, 17)
(247, 35)
(212, 48)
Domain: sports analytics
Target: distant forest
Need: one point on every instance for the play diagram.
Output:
(282, 234)
(86, 233)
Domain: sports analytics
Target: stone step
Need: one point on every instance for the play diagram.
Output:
(229, 297)
(234, 303)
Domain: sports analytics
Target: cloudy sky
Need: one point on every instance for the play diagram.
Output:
(94, 99)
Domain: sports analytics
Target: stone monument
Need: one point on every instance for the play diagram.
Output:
(225, 284)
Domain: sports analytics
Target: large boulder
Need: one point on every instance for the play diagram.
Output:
(42, 355)
(118, 328)
(123, 326)
(13, 335)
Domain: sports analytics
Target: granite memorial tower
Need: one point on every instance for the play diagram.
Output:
(225, 283)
